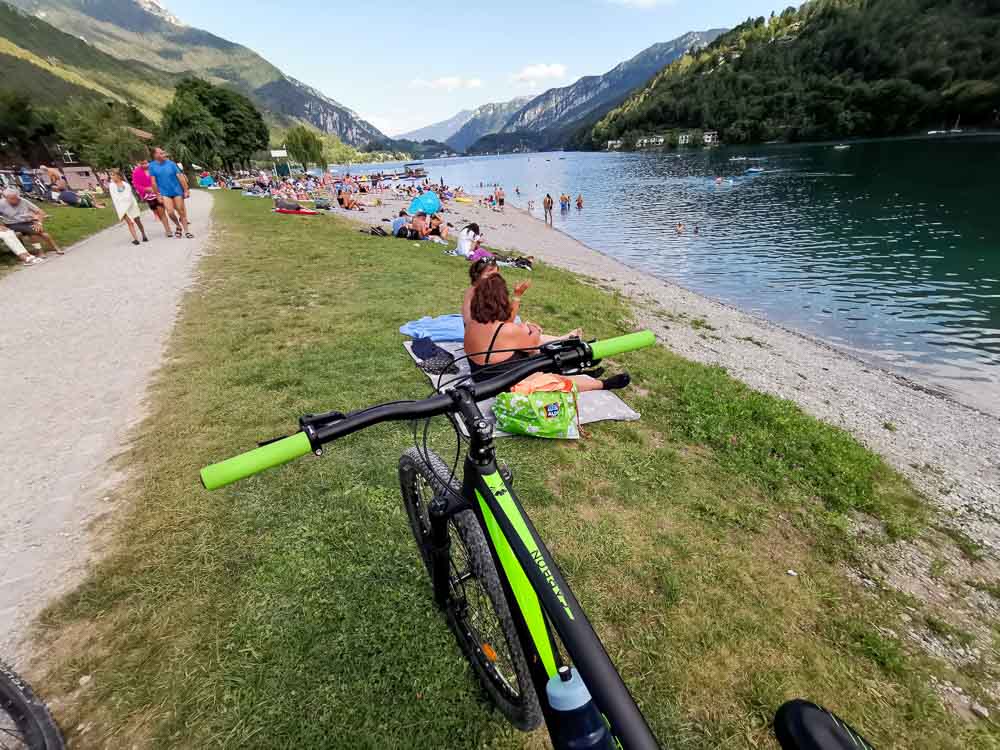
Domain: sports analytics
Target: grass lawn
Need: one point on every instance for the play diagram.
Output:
(291, 610)
(66, 225)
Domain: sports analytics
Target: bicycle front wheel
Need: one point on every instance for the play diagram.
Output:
(25, 722)
(475, 606)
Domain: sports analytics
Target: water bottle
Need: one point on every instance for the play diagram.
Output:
(577, 724)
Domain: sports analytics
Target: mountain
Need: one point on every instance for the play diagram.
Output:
(830, 69)
(145, 32)
(27, 58)
(439, 131)
(563, 109)
(489, 118)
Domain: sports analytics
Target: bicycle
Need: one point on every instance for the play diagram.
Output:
(503, 595)
(25, 722)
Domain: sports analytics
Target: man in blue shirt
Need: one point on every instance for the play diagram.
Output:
(171, 185)
(401, 221)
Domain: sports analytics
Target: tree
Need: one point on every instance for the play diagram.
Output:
(99, 133)
(22, 127)
(335, 151)
(304, 145)
(191, 132)
(243, 130)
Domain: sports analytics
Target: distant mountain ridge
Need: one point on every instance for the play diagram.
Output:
(146, 32)
(552, 118)
(439, 131)
(560, 109)
(487, 119)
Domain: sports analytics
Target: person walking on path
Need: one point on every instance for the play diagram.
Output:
(170, 184)
(144, 187)
(547, 206)
(23, 217)
(126, 206)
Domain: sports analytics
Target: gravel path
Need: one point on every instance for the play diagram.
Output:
(80, 337)
(948, 450)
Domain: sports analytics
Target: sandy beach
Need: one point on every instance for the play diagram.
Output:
(948, 450)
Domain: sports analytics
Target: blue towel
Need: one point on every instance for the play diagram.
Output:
(441, 328)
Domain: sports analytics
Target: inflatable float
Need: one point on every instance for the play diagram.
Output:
(299, 212)
(464, 200)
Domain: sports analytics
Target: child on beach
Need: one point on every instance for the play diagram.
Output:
(126, 206)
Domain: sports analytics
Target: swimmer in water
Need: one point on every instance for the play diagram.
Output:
(679, 228)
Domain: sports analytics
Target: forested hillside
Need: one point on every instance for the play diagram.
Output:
(831, 69)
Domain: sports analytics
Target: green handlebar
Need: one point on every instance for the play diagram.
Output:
(255, 461)
(621, 344)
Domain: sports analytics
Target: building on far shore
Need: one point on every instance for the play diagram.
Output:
(710, 137)
(614, 145)
(652, 140)
(684, 139)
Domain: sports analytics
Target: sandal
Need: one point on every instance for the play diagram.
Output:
(189, 236)
(177, 233)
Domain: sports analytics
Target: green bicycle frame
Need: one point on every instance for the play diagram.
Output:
(538, 597)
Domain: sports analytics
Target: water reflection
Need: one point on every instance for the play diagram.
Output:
(888, 248)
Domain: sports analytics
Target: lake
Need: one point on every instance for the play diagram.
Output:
(889, 249)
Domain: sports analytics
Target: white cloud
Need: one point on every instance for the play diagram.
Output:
(643, 4)
(531, 75)
(446, 83)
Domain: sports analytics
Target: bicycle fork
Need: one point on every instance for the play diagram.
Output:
(440, 549)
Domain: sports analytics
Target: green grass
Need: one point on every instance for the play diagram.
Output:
(66, 225)
(291, 610)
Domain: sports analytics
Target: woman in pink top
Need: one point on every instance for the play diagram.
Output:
(144, 187)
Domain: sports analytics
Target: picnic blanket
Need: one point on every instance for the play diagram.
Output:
(441, 328)
(594, 406)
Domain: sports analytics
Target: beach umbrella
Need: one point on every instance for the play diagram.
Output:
(427, 202)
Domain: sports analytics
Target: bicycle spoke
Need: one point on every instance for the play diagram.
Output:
(480, 618)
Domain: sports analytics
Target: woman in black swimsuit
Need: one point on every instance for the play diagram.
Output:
(495, 344)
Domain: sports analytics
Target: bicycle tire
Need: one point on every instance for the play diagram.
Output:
(477, 614)
(25, 721)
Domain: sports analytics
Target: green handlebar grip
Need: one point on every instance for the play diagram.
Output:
(621, 344)
(253, 462)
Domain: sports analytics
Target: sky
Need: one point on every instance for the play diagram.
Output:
(403, 65)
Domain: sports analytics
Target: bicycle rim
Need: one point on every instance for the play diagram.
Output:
(469, 606)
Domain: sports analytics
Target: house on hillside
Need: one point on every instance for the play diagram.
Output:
(710, 137)
(683, 139)
(614, 145)
(650, 140)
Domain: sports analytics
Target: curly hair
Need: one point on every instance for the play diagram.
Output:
(491, 301)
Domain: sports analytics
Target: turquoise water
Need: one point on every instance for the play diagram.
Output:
(890, 249)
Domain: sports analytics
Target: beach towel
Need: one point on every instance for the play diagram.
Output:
(299, 212)
(592, 406)
(441, 328)
(124, 201)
